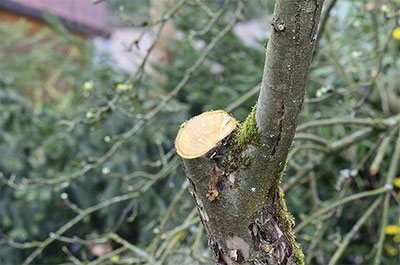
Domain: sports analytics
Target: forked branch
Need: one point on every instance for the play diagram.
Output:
(235, 171)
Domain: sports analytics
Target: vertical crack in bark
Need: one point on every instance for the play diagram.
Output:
(280, 129)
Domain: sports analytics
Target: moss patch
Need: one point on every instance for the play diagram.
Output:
(236, 160)
(248, 132)
(234, 148)
(286, 220)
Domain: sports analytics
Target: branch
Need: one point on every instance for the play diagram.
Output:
(335, 204)
(324, 20)
(288, 58)
(75, 220)
(375, 123)
(393, 168)
(234, 173)
(343, 245)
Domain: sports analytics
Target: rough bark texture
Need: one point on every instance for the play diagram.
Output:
(236, 186)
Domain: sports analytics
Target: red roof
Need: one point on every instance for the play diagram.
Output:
(78, 15)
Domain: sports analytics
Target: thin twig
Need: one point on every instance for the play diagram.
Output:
(380, 123)
(346, 240)
(393, 170)
(75, 220)
(375, 165)
(335, 204)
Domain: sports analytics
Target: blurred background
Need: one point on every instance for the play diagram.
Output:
(92, 94)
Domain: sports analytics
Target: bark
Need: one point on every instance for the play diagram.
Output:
(246, 219)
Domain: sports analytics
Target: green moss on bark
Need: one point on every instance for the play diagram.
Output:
(287, 222)
(235, 157)
(248, 133)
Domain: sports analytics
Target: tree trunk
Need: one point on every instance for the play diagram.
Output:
(235, 171)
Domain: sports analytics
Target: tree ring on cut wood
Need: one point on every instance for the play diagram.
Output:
(202, 133)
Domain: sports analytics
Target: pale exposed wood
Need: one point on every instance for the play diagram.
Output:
(203, 132)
